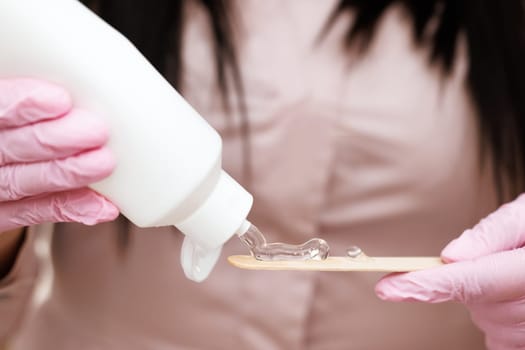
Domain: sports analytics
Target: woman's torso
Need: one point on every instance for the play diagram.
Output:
(380, 153)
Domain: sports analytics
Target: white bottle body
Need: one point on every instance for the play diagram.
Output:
(168, 157)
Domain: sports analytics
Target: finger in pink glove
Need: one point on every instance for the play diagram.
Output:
(486, 272)
(49, 153)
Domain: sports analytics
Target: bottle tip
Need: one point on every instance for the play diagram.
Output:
(245, 226)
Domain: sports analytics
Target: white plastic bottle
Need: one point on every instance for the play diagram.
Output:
(168, 158)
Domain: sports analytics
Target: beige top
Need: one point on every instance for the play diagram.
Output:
(379, 153)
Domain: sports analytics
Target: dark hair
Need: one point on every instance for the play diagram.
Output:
(495, 35)
(494, 31)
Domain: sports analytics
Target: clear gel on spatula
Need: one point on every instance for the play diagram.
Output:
(314, 249)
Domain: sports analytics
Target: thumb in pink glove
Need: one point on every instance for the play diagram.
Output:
(486, 273)
(49, 153)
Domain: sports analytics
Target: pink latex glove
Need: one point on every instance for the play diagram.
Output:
(487, 274)
(49, 152)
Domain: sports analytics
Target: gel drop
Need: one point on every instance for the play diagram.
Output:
(314, 249)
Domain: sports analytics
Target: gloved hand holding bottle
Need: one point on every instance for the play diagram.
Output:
(169, 160)
(49, 153)
(486, 273)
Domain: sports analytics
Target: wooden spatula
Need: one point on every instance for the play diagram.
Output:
(339, 263)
